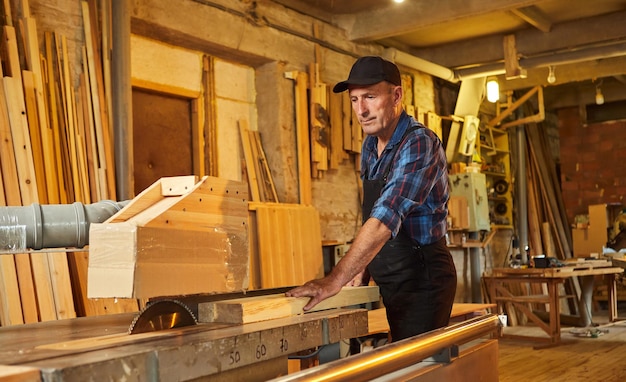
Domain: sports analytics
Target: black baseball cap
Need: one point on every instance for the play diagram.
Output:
(370, 70)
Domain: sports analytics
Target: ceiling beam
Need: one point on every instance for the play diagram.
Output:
(414, 15)
(570, 73)
(564, 36)
(533, 16)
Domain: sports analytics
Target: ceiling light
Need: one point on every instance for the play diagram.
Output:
(493, 89)
(551, 76)
(398, 1)
(599, 95)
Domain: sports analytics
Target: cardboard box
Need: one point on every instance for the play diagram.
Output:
(166, 245)
(592, 239)
(458, 211)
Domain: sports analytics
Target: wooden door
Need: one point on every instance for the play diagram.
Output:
(162, 137)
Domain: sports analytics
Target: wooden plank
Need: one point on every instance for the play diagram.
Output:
(90, 141)
(32, 55)
(210, 116)
(61, 285)
(98, 98)
(10, 303)
(260, 308)
(19, 374)
(268, 181)
(337, 153)
(35, 135)
(53, 138)
(302, 138)
(253, 181)
(290, 245)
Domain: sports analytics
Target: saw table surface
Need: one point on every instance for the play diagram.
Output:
(76, 349)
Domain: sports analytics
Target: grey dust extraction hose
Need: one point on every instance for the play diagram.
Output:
(53, 225)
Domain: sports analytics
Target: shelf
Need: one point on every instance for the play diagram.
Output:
(491, 149)
(498, 198)
(495, 174)
(502, 226)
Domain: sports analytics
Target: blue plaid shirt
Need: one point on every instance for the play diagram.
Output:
(416, 193)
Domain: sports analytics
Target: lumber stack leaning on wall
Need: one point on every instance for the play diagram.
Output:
(56, 147)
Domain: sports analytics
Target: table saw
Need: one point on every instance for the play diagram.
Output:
(89, 348)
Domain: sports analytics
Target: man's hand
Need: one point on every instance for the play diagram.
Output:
(318, 290)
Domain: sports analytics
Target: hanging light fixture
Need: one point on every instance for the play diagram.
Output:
(551, 76)
(493, 89)
(599, 95)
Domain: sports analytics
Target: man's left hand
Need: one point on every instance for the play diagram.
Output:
(318, 290)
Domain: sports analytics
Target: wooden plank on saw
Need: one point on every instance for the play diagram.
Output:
(260, 308)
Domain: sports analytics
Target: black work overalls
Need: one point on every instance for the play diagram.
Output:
(417, 283)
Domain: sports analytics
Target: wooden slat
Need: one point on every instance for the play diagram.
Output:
(267, 180)
(302, 138)
(61, 285)
(10, 303)
(261, 308)
(99, 100)
(337, 153)
(32, 55)
(253, 181)
(19, 374)
(53, 138)
(35, 135)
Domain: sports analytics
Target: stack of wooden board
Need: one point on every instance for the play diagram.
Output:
(286, 246)
(175, 238)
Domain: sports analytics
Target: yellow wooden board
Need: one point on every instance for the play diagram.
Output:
(260, 308)
(289, 244)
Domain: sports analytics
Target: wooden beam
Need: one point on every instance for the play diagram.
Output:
(302, 136)
(511, 59)
(509, 110)
(253, 309)
(533, 16)
(366, 25)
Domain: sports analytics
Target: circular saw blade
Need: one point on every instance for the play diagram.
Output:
(160, 315)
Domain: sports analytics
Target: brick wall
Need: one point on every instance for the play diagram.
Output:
(593, 162)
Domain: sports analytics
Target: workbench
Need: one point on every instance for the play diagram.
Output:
(503, 283)
(81, 348)
(377, 318)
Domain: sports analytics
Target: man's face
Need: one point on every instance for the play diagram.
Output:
(376, 107)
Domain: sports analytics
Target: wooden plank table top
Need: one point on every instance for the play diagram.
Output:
(560, 272)
(377, 318)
